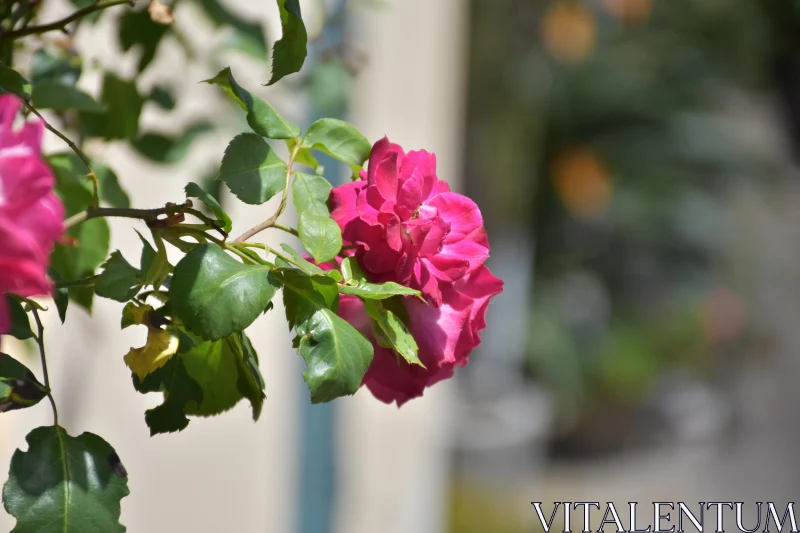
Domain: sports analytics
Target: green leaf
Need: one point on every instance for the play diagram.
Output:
(61, 295)
(299, 261)
(215, 295)
(19, 388)
(53, 95)
(338, 139)
(261, 116)
(111, 192)
(136, 28)
(193, 190)
(119, 280)
(336, 354)
(181, 393)
(13, 82)
(155, 266)
(320, 235)
(75, 187)
(251, 170)
(170, 149)
(251, 382)
(290, 51)
(61, 69)
(378, 291)
(310, 194)
(75, 262)
(391, 332)
(162, 96)
(214, 367)
(304, 156)
(123, 108)
(65, 484)
(91, 17)
(20, 323)
(250, 35)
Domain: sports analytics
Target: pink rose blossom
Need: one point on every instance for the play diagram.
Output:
(30, 214)
(407, 227)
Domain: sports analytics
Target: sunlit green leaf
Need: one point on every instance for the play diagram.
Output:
(215, 295)
(119, 280)
(310, 194)
(391, 332)
(336, 354)
(251, 170)
(339, 139)
(261, 116)
(289, 52)
(320, 235)
(193, 190)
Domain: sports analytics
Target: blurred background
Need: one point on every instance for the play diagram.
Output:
(636, 163)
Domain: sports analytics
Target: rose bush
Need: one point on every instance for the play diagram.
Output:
(30, 213)
(406, 226)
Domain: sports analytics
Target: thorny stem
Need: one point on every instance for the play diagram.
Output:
(143, 214)
(61, 24)
(273, 220)
(270, 250)
(74, 147)
(40, 342)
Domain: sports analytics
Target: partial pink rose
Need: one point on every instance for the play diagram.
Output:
(30, 213)
(407, 227)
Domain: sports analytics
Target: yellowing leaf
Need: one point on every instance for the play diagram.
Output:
(160, 347)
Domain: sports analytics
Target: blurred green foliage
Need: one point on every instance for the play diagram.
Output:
(620, 118)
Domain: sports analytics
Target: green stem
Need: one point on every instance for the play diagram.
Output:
(273, 220)
(285, 228)
(123, 212)
(270, 250)
(77, 282)
(74, 147)
(61, 24)
(40, 342)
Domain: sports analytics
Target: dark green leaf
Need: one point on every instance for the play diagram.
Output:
(13, 82)
(290, 51)
(181, 393)
(20, 323)
(320, 235)
(391, 332)
(123, 107)
(310, 193)
(53, 95)
(65, 484)
(251, 170)
(336, 354)
(166, 149)
(338, 139)
(261, 116)
(193, 190)
(251, 382)
(119, 280)
(61, 295)
(19, 388)
(61, 69)
(163, 97)
(215, 295)
(136, 28)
